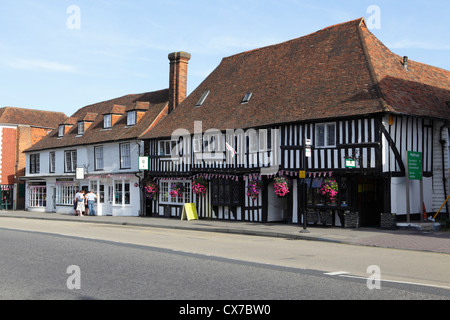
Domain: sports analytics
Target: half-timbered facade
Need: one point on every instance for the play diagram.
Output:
(334, 109)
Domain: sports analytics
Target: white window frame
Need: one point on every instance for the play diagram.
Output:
(65, 193)
(327, 127)
(37, 196)
(165, 147)
(119, 197)
(73, 161)
(107, 121)
(52, 162)
(166, 198)
(131, 118)
(81, 127)
(61, 130)
(125, 155)
(98, 158)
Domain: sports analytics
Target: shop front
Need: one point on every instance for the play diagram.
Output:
(7, 197)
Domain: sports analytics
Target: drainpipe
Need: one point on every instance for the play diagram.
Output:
(141, 200)
(442, 141)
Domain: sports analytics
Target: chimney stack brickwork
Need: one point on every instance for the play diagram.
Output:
(178, 78)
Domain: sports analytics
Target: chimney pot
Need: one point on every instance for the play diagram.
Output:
(405, 62)
(178, 78)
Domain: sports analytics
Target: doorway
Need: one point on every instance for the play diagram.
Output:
(370, 201)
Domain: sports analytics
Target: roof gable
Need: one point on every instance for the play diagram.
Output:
(340, 71)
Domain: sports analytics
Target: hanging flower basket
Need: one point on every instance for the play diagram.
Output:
(281, 186)
(253, 188)
(200, 187)
(329, 189)
(151, 190)
(176, 190)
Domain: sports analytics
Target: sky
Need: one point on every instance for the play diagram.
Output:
(61, 55)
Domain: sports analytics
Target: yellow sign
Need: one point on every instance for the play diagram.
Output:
(302, 174)
(189, 212)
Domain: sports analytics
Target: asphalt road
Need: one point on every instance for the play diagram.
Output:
(48, 260)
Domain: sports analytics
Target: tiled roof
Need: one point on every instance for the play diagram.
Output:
(156, 103)
(342, 70)
(31, 117)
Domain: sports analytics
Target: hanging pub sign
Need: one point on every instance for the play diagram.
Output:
(143, 163)
(350, 163)
(79, 174)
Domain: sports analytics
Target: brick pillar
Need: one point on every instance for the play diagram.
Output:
(178, 78)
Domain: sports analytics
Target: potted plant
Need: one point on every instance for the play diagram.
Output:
(253, 188)
(176, 189)
(199, 187)
(281, 186)
(151, 190)
(329, 189)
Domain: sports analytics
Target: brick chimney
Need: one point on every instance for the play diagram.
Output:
(178, 78)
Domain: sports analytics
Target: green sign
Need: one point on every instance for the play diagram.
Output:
(350, 163)
(414, 165)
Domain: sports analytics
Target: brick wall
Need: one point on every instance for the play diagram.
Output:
(8, 157)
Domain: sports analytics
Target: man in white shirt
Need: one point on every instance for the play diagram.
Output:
(91, 197)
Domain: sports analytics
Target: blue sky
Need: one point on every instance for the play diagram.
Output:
(55, 58)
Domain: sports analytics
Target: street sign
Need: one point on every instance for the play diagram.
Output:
(308, 152)
(414, 165)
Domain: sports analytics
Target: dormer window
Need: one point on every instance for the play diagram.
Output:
(247, 97)
(131, 118)
(202, 98)
(107, 121)
(61, 131)
(81, 127)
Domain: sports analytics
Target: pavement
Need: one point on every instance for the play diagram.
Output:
(401, 238)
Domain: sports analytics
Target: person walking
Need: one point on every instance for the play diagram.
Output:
(91, 198)
(80, 201)
(75, 202)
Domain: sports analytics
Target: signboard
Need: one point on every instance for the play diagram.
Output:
(79, 174)
(302, 174)
(308, 152)
(350, 163)
(143, 163)
(308, 142)
(414, 165)
(189, 212)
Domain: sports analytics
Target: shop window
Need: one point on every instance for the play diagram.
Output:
(167, 198)
(122, 194)
(37, 195)
(226, 192)
(65, 194)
